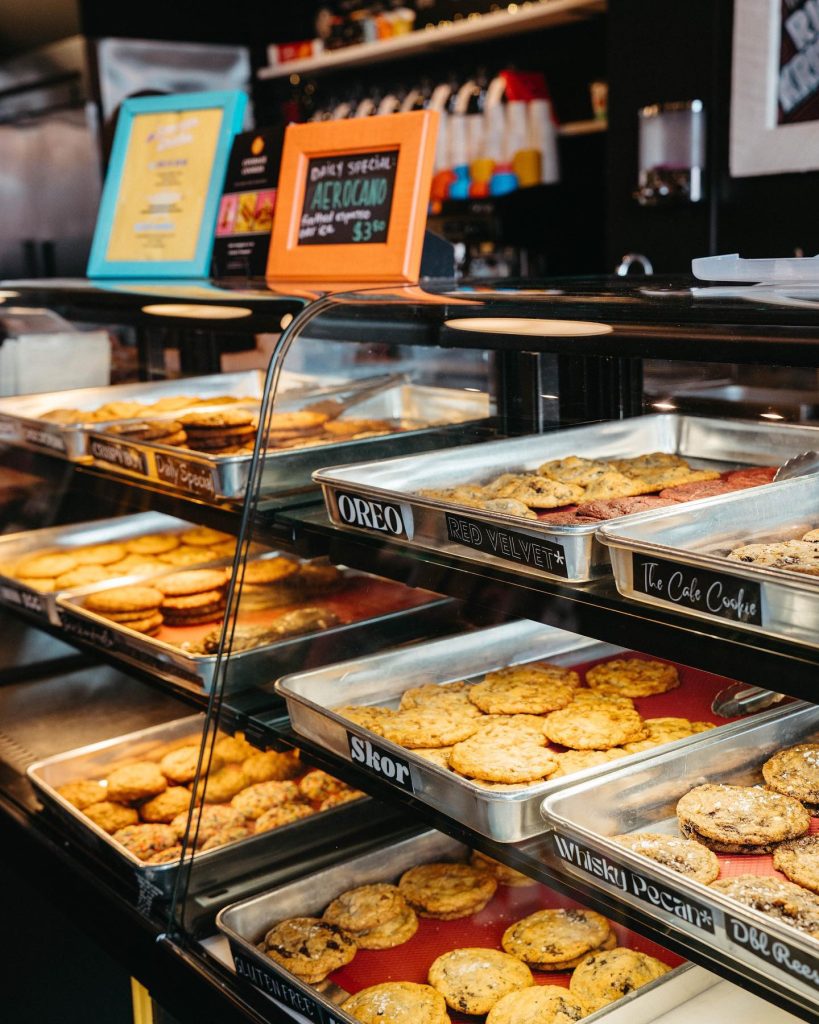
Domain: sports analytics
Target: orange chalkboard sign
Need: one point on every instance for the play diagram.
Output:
(352, 202)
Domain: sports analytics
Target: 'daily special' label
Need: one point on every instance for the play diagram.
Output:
(385, 517)
(186, 476)
(380, 762)
(726, 596)
(773, 951)
(510, 545)
(656, 894)
(118, 454)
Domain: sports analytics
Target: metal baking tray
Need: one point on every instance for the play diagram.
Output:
(245, 923)
(690, 543)
(643, 797)
(258, 666)
(20, 423)
(42, 605)
(451, 415)
(381, 498)
(381, 679)
(213, 868)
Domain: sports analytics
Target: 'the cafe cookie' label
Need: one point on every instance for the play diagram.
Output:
(510, 545)
(385, 517)
(380, 762)
(656, 894)
(775, 952)
(728, 597)
(282, 991)
(185, 476)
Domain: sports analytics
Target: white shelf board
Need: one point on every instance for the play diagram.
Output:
(523, 17)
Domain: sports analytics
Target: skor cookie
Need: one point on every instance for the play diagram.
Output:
(309, 947)
(798, 860)
(446, 694)
(632, 677)
(685, 856)
(794, 772)
(524, 691)
(502, 873)
(784, 901)
(540, 1004)
(740, 819)
(604, 977)
(446, 891)
(596, 728)
(505, 751)
(428, 726)
(571, 761)
(397, 1002)
(136, 782)
(556, 940)
(473, 979)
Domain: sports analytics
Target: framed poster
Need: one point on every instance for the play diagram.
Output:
(775, 87)
(352, 200)
(159, 203)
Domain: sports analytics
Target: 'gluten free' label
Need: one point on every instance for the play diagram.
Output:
(727, 597)
(773, 951)
(280, 990)
(657, 895)
(380, 762)
(509, 545)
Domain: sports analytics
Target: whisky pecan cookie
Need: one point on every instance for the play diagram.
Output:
(740, 819)
(504, 753)
(532, 690)
(309, 947)
(798, 860)
(632, 677)
(397, 1002)
(593, 728)
(446, 891)
(784, 901)
(794, 772)
(685, 856)
(544, 1004)
(473, 979)
(555, 937)
(365, 907)
(502, 873)
(604, 977)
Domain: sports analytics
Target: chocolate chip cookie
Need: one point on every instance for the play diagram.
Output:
(473, 979)
(446, 891)
(550, 940)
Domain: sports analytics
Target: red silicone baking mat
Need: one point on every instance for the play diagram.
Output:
(411, 960)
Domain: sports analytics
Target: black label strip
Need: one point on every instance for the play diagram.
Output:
(269, 981)
(773, 951)
(186, 476)
(118, 454)
(383, 517)
(380, 762)
(509, 545)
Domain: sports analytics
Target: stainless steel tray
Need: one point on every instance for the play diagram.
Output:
(381, 498)
(20, 423)
(381, 679)
(40, 604)
(685, 548)
(259, 666)
(245, 923)
(450, 413)
(213, 868)
(643, 797)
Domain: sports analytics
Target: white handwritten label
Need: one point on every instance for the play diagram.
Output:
(725, 596)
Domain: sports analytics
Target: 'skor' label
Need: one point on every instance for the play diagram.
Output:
(727, 597)
(185, 476)
(648, 891)
(510, 545)
(118, 454)
(380, 516)
(380, 762)
(781, 954)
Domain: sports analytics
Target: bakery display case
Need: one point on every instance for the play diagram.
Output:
(375, 587)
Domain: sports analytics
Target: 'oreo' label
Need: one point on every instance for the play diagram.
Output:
(385, 517)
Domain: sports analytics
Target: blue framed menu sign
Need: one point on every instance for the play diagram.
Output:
(161, 195)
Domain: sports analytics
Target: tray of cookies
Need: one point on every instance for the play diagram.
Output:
(535, 504)
(58, 422)
(37, 565)
(208, 452)
(718, 840)
(292, 612)
(751, 558)
(485, 725)
(419, 930)
(128, 799)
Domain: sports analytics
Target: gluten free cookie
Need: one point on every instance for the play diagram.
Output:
(632, 677)
(554, 940)
(365, 907)
(544, 1004)
(740, 819)
(446, 891)
(604, 977)
(309, 947)
(397, 1002)
(473, 979)
(685, 856)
